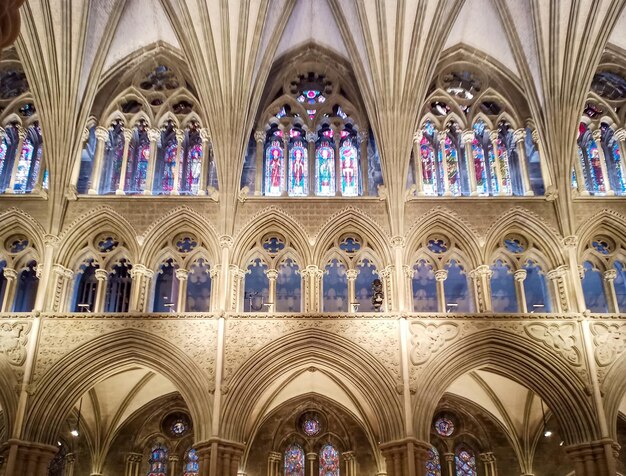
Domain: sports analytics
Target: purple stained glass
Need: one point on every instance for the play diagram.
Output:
(505, 170)
(329, 461)
(169, 165)
(325, 169)
(274, 169)
(192, 466)
(294, 461)
(429, 166)
(349, 162)
(298, 175)
(24, 166)
(444, 426)
(465, 462)
(192, 169)
(433, 465)
(311, 425)
(452, 163)
(158, 461)
(480, 170)
(615, 164)
(437, 245)
(137, 170)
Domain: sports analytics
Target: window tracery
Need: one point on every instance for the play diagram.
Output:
(465, 461)
(192, 466)
(158, 461)
(602, 274)
(329, 461)
(294, 460)
(19, 274)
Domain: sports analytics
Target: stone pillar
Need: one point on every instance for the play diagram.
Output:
(227, 301)
(482, 287)
(609, 287)
(219, 457)
(449, 459)
(21, 134)
(350, 463)
(409, 273)
(467, 137)
(312, 277)
(27, 458)
(181, 275)
(417, 163)
(597, 136)
(351, 274)
(237, 276)
(394, 286)
(272, 275)
(214, 273)
(386, 276)
(173, 464)
(581, 183)
(259, 138)
(493, 136)
(70, 460)
(153, 135)
(133, 464)
(444, 163)
(101, 275)
(311, 458)
(406, 457)
(44, 270)
(560, 295)
(9, 291)
(206, 162)
(141, 277)
(570, 244)
(273, 463)
(58, 301)
(180, 154)
(76, 167)
(489, 463)
(440, 276)
(311, 138)
(128, 135)
(592, 459)
(519, 136)
(520, 276)
(102, 136)
(363, 138)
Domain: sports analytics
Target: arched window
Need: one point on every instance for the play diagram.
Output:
(191, 168)
(456, 288)
(288, 287)
(329, 461)
(335, 287)
(535, 289)
(86, 161)
(113, 155)
(8, 146)
(620, 285)
(453, 162)
(167, 157)
(593, 288)
(534, 163)
(465, 461)
(298, 164)
(430, 165)
(349, 163)
(294, 460)
(118, 288)
(192, 466)
(274, 165)
(483, 137)
(325, 165)
(138, 160)
(198, 287)
(29, 161)
(256, 287)
(363, 285)
(27, 286)
(158, 461)
(424, 287)
(590, 162)
(433, 465)
(481, 168)
(86, 286)
(508, 162)
(503, 295)
(166, 287)
(614, 160)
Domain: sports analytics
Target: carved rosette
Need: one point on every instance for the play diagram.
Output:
(610, 342)
(561, 338)
(428, 339)
(13, 340)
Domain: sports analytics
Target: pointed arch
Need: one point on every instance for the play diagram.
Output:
(8, 396)
(607, 221)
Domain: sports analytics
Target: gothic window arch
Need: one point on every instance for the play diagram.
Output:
(503, 292)
(86, 287)
(465, 461)
(113, 158)
(329, 460)
(166, 287)
(433, 464)
(119, 281)
(19, 276)
(191, 463)
(293, 460)
(158, 461)
(3, 282)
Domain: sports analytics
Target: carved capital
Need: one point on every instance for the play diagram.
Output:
(51, 240)
(182, 274)
(620, 134)
(351, 274)
(204, 135)
(128, 134)
(10, 274)
(259, 136)
(493, 136)
(84, 137)
(226, 241)
(21, 133)
(313, 271)
(102, 274)
(154, 135)
(519, 135)
(487, 457)
(417, 137)
(520, 274)
(102, 134)
(398, 241)
(363, 136)
(570, 241)
(140, 270)
(610, 274)
(408, 271)
(467, 137)
(534, 135)
(271, 274)
(441, 274)
(482, 270)
(180, 136)
(311, 137)
(597, 135)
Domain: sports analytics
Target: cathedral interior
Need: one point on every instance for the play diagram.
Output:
(312, 237)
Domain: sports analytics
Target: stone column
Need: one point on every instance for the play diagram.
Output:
(9, 291)
(206, 161)
(273, 463)
(180, 155)
(59, 291)
(350, 463)
(520, 276)
(141, 277)
(609, 287)
(386, 276)
(237, 277)
(493, 136)
(597, 136)
(592, 459)
(406, 457)
(272, 275)
(489, 463)
(181, 275)
(21, 134)
(580, 178)
(153, 135)
(449, 459)
(482, 287)
(133, 464)
(27, 458)
(560, 297)
(44, 270)
(311, 138)
(312, 279)
(444, 163)
(173, 464)
(71, 192)
(101, 275)
(409, 273)
(417, 163)
(363, 138)
(519, 137)
(70, 460)
(128, 135)
(337, 140)
(311, 458)
(351, 274)
(570, 243)
(259, 139)
(102, 136)
(467, 137)
(440, 276)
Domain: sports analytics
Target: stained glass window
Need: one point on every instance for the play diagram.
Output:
(198, 287)
(112, 164)
(288, 287)
(325, 169)
(465, 461)
(274, 168)
(294, 461)
(329, 461)
(456, 289)
(433, 465)
(614, 160)
(452, 163)
(311, 425)
(28, 163)
(166, 288)
(138, 161)
(363, 285)
(429, 164)
(335, 287)
(298, 169)
(3, 156)
(589, 157)
(158, 461)
(86, 161)
(256, 287)
(86, 286)
(191, 168)
(505, 148)
(620, 285)
(118, 288)
(444, 426)
(349, 164)
(192, 466)
(535, 289)
(27, 285)
(481, 171)
(166, 166)
(424, 287)
(593, 288)
(503, 294)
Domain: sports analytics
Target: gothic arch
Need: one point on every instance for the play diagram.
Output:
(353, 368)
(522, 360)
(614, 385)
(8, 395)
(106, 355)
(606, 221)
(15, 220)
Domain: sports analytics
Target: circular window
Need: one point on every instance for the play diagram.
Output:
(603, 245)
(107, 243)
(444, 426)
(438, 244)
(176, 424)
(310, 423)
(515, 244)
(16, 244)
(185, 243)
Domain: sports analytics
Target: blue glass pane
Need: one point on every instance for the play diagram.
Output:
(166, 288)
(198, 287)
(593, 289)
(620, 286)
(456, 289)
(433, 465)
(288, 287)
(335, 286)
(363, 285)
(294, 461)
(424, 288)
(503, 296)
(256, 288)
(537, 296)
(112, 164)
(192, 467)
(465, 462)
(374, 171)
(329, 461)
(158, 461)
